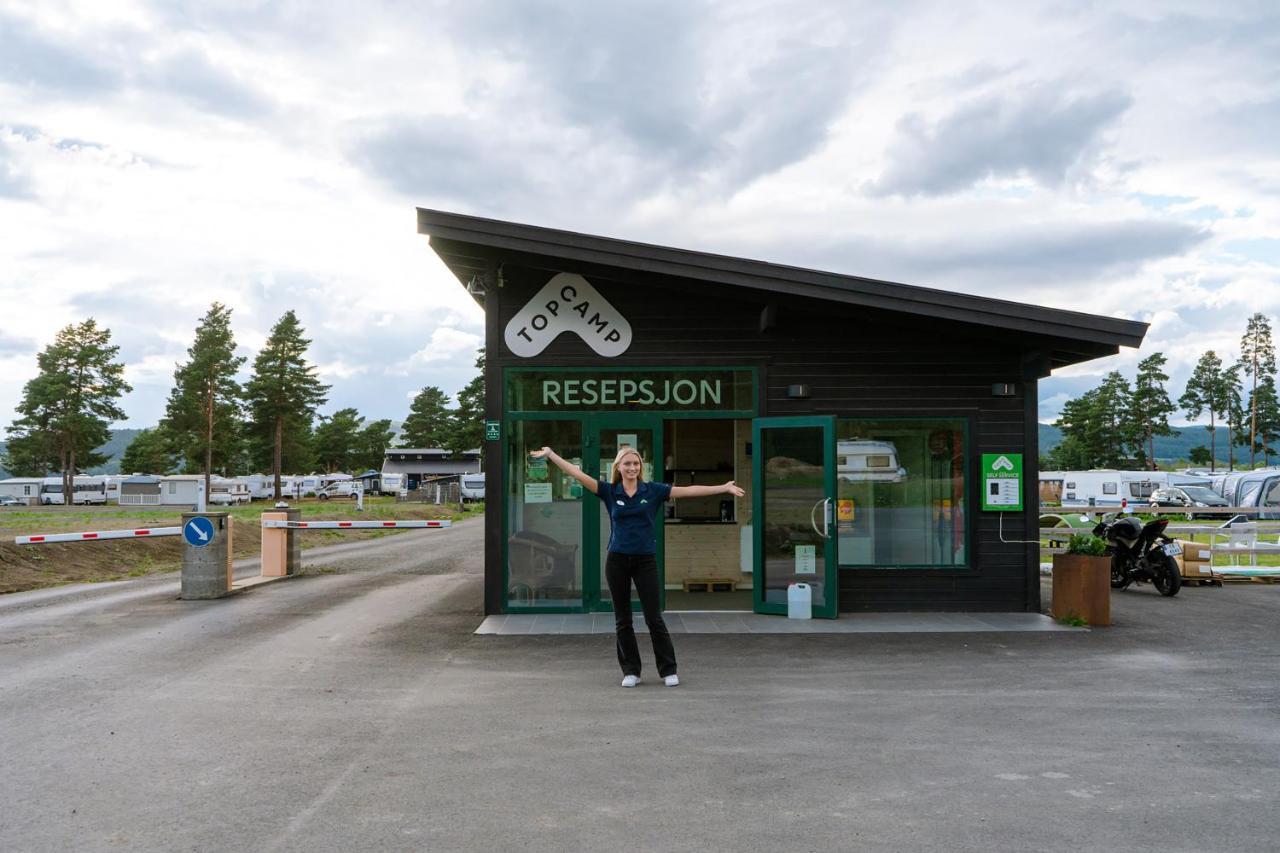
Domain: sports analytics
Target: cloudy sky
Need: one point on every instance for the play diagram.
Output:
(1119, 158)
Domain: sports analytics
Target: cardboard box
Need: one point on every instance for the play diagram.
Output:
(1195, 560)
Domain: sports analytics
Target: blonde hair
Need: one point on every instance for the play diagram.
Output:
(617, 461)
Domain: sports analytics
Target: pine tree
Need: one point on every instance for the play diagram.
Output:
(371, 444)
(1112, 405)
(202, 417)
(149, 453)
(1150, 406)
(428, 421)
(336, 440)
(283, 394)
(1233, 414)
(67, 409)
(467, 431)
(1204, 393)
(1267, 437)
(1258, 356)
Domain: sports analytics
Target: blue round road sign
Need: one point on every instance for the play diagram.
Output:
(198, 531)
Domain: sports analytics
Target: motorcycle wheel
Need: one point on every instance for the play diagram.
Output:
(1118, 580)
(1169, 580)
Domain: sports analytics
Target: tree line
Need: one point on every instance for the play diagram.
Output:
(213, 423)
(1115, 424)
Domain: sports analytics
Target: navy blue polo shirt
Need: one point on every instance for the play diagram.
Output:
(633, 530)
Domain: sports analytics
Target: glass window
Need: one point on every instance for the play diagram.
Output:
(544, 517)
(1109, 489)
(901, 493)
(1141, 490)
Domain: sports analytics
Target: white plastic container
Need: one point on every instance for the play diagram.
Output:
(799, 601)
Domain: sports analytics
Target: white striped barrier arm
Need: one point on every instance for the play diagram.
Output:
(353, 525)
(95, 535)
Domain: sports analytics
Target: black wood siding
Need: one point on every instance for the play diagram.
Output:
(863, 363)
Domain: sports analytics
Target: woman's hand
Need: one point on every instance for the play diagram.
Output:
(542, 453)
(733, 489)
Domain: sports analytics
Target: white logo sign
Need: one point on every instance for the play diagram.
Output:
(568, 303)
(1002, 464)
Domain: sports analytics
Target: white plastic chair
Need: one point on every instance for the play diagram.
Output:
(1243, 535)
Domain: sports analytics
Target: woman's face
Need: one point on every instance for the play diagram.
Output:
(630, 466)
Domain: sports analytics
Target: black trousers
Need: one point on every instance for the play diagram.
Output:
(621, 570)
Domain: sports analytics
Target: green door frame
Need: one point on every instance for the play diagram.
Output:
(831, 573)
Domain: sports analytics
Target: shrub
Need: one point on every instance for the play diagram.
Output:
(1086, 544)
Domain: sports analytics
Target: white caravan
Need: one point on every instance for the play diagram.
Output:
(472, 487)
(862, 460)
(1104, 487)
(391, 484)
(87, 491)
(228, 492)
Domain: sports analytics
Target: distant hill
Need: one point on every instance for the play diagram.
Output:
(1168, 448)
(120, 439)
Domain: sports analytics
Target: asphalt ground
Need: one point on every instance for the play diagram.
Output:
(353, 709)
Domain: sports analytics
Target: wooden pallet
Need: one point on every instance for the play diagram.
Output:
(1230, 578)
(710, 585)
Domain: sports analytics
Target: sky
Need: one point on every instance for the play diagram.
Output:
(1117, 158)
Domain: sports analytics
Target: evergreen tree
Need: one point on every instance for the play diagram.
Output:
(283, 394)
(1234, 414)
(1258, 356)
(1150, 406)
(1112, 406)
(428, 424)
(1267, 437)
(1201, 455)
(203, 414)
(1204, 393)
(67, 409)
(467, 431)
(149, 453)
(336, 440)
(371, 444)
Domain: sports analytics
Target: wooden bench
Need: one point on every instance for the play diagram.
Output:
(710, 585)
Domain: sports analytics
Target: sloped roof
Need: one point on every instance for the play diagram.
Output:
(468, 243)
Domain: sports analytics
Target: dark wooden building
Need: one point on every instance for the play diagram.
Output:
(878, 428)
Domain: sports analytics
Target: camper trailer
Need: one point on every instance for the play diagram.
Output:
(88, 491)
(51, 491)
(472, 487)
(1104, 487)
(228, 492)
(859, 460)
(1259, 488)
(391, 484)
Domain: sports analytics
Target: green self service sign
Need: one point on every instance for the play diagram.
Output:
(1002, 482)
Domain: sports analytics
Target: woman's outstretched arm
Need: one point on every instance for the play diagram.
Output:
(568, 467)
(729, 488)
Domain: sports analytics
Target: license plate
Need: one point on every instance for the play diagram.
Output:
(1173, 549)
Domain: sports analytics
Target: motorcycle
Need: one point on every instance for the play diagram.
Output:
(1141, 553)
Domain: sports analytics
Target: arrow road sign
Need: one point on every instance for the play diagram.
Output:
(198, 531)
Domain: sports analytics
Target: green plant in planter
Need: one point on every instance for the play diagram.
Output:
(1086, 544)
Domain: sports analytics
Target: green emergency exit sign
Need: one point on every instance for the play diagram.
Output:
(1002, 482)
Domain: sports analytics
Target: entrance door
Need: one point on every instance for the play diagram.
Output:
(643, 432)
(793, 518)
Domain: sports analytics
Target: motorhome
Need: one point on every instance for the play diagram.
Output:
(261, 486)
(51, 491)
(1108, 487)
(861, 460)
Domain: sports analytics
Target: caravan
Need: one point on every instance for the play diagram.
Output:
(87, 491)
(1108, 487)
(1258, 488)
(861, 460)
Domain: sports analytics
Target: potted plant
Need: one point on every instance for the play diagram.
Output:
(1082, 582)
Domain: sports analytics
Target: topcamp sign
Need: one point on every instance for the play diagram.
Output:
(568, 303)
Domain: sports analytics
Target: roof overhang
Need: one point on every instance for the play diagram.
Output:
(470, 245)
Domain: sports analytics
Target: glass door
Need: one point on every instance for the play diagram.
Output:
(794, 513)
(610, 432)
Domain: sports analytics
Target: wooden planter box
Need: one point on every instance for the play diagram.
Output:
(1082, 587)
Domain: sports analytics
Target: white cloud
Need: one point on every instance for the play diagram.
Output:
(155, 157)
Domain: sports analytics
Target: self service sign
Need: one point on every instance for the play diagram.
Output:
(1002, 482)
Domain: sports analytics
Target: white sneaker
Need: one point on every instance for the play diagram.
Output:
(630, 680)
(672, 680)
